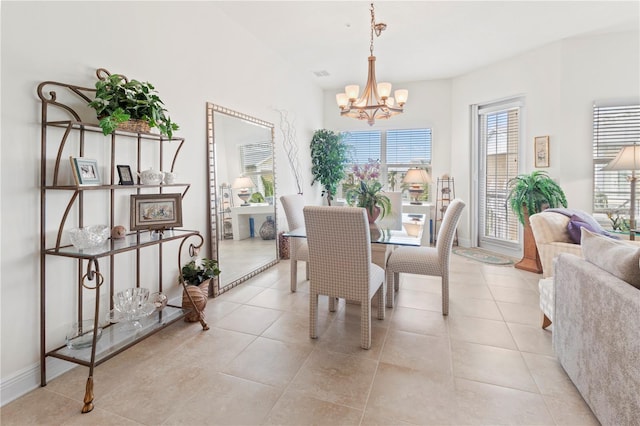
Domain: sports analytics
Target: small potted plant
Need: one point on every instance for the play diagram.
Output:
(367, 192)
(197, 275)
(119, 100)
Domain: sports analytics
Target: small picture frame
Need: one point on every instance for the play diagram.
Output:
(85, 171)
(541, 151)
(124, 173)
(155, 211)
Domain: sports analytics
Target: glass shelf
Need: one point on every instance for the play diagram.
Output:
(118, 337)
(130, 242)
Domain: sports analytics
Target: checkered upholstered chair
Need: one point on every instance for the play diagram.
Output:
(298, 249)
(427, 260)
(340, 264)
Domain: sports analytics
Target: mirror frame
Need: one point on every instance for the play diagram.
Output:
(213, 232)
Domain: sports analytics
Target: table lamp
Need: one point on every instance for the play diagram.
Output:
(242, 184)
(628, 159)
(416, 178)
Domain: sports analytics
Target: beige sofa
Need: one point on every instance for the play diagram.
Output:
(596, 326)
(552, 238)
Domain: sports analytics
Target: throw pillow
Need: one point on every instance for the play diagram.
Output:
(616, 257)
(575, 226)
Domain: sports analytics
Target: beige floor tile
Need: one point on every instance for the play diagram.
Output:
(423, 283)
(249, 319)
(419, 300)
(377, 420)
(469, 289)
(532, 339)
(99, 417)
(477, 308)
(293, 327)
(296, 409)
(521, 314)
(523, 296)
(337, 378)
(268, 361)
(272, 298)
(226, 400)
(418, 321)
(485, 404)
(550, 377)
(344, 337)
(489, 364)
(430, 354)
(241, 293)
(572, 412)
(39, 407)
(506, 280)
(412, 396)
(217, 309)
(483, 331)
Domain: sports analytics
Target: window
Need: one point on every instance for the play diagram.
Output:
(397, 150)
(257, 163)
(614, 127)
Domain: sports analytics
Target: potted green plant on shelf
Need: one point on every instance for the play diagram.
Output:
(328, 158)
(197, 275)
(367, 192)
(530, 194)
(119, 100)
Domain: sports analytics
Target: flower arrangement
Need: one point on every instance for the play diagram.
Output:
(367, 191)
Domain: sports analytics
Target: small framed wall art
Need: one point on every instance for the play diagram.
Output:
(124, 173)
(85, 171)
(541, 151)
(156, 211)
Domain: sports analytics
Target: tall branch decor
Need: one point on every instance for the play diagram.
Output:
(288, 130)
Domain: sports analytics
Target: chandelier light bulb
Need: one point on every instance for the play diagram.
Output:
(384, 90)
(342, 99)
(401, 96)
(352, 91)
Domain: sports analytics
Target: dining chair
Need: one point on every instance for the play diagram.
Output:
(298, 248)
(432, 261)
(340, 264)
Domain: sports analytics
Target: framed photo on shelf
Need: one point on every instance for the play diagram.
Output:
(155, 211)
(541, 151)
(124, 173)
(85, 171)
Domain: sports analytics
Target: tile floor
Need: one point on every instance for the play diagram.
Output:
(488, 363)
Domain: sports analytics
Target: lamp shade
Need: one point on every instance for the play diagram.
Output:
(416, 176)
(242, 182)
(627, 159)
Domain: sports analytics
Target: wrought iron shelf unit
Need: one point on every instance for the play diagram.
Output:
(59, 139)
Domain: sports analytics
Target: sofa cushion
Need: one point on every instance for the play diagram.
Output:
(616, 257)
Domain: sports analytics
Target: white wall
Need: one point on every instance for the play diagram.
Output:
(559, 82)
(192, 53)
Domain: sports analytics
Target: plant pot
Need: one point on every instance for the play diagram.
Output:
(199, 295)
(137, 126)
(373, 217)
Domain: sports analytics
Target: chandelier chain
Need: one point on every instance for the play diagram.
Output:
(373, 25)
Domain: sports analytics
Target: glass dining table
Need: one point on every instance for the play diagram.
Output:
(383, 241)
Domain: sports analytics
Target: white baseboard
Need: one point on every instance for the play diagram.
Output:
(28, 379)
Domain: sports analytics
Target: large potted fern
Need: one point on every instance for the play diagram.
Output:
(328, 159)
(530, 194)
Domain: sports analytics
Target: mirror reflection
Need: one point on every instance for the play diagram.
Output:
(243, 234)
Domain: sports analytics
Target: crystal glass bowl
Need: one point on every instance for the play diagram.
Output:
(80, 335)
(132, 304)
(89, 237)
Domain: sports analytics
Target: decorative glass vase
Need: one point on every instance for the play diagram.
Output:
(268, 229)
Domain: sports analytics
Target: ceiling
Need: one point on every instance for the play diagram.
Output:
(424, 40)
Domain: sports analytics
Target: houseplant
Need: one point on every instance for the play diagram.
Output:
(119, 100)
(530, 194)
(367, 192)
(197, 274)
(328, 157)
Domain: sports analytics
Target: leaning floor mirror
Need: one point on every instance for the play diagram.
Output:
(242, 231)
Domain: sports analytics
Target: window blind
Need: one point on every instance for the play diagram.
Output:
(364, 145)
(409, 146)
(614, 127)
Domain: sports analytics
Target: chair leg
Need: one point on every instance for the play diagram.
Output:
(313, 315)
(381, 301)
(396, 281)
(294, 275)
(333, 302)
(365, 324)
(390, 287)
(307, 270)
(546, 322)
(445, 294)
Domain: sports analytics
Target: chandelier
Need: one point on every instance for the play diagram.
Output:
(375, 101)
